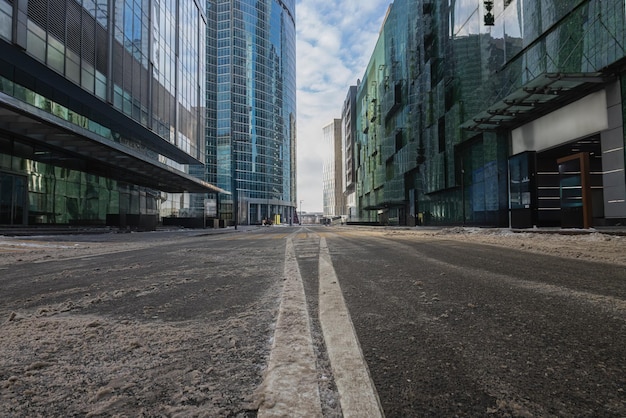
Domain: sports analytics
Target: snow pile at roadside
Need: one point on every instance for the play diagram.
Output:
(580, 244)
(26, 244)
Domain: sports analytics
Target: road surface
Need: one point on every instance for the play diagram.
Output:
(191, 323)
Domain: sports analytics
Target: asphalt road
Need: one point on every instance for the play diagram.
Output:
(447, 328)
(147, 324)
(457, 329)
(184, 276)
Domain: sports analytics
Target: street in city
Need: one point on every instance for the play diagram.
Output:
(209, 323)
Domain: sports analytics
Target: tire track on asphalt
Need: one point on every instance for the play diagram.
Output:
(614, 305)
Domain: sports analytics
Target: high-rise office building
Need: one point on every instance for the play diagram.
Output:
(495, 113)
(251, 108)
(102, 110)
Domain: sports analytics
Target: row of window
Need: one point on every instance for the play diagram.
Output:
(250, 96)
(52, 42)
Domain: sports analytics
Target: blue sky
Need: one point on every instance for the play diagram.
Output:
(335, 40)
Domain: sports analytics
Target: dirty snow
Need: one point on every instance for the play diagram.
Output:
(580, 244)
(56, 360)
(92, 366)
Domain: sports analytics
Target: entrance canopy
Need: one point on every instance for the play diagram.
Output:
(29, 132)
(386, 205)
(539, 97)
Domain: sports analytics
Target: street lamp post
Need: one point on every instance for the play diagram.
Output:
(300, 212)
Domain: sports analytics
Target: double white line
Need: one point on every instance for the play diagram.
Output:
(290, 387)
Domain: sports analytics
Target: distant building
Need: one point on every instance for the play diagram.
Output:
(512, 116)
(312, 218)
(100, 118)
(349, 124)
(334, 200)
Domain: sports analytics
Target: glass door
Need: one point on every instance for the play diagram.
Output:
(575, 191)
(13, 200)
(523, 190)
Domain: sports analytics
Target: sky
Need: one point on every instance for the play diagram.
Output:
(335, 40)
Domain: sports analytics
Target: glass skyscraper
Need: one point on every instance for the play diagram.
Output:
(251, 108)
(102, 110)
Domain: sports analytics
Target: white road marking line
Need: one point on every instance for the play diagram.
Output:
(290, 387)
(357, 393)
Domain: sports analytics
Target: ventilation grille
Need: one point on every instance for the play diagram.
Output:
(101, 49)
(56, 19)
(89, 37)
(74, 12)
(38, 12)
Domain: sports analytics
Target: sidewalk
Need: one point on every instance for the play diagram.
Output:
(609, 230)
(45, 230)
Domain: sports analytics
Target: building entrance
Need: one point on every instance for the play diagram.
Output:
(569, 183)
(559, 187)
(13, 199)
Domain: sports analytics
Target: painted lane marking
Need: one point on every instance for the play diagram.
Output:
(290, 385)
(357, 392)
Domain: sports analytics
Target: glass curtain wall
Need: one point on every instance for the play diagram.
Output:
(144, 57)
(369, 136)
(253, 146)
(528, 38)
(445, 62)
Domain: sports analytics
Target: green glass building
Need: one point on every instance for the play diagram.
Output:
(102, 110)
(495, 113)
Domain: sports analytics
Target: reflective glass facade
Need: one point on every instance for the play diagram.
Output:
(251, 108)
(454, 89)
(130, 73)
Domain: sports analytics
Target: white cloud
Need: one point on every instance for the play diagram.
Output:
(334, 43)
